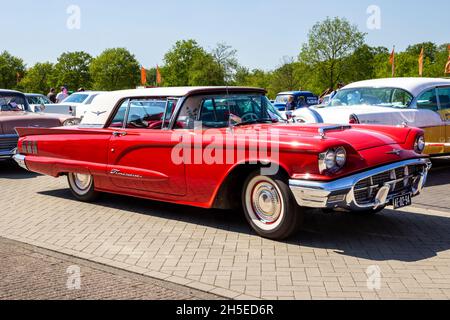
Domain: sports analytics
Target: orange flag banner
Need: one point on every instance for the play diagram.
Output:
(143, 76)
(447, 66)
(421, 62)
(392, 61)
(158, 76)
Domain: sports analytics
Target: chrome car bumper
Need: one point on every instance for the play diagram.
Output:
(371, 189)
(20, 159)
(8, 143)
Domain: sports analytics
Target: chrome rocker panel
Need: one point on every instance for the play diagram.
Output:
(339, 194)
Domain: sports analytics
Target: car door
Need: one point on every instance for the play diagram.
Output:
(140, 150)
(443, 94)
(429, 119)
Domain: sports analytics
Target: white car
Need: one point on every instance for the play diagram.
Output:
(80, 102)
(415, 102)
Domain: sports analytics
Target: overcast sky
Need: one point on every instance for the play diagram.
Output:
(263, 31)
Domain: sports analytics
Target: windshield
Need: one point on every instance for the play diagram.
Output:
(12, 102)
(38, 100)
(76, 98)
(220, 111)
(383, 97)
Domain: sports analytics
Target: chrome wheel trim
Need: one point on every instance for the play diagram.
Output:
(80, 183)
(264, 203)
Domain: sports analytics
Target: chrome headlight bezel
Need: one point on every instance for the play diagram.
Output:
(419, 144)
(332, 160)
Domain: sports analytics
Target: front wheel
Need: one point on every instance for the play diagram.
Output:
(270, 207)
(82, 186)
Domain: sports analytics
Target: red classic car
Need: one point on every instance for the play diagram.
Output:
(223, 147)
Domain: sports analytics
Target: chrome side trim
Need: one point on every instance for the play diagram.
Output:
(20, 159)
(315, 194)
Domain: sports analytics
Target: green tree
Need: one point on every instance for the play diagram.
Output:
(225, 56)
(361, 65)
(11, 70)
(285, 78)
(115, 69)
(330, 44)
(72, 70)
(38, 79)
(255, 78)
(189, 64)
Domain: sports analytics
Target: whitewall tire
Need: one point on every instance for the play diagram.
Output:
(270, 207)
(82, 186)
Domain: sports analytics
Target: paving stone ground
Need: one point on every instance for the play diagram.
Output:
(333, 257)
(27, 272)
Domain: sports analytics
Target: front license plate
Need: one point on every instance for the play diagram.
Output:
(402, 201)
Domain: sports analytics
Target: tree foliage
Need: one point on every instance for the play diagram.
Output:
(11, 70)
(115, 69)
(72, 70)
(38, 79)
(330, 44)
(188, 64)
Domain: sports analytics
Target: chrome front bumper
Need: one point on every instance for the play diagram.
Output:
(340, 194)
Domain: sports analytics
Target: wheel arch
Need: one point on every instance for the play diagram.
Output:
(228, 194)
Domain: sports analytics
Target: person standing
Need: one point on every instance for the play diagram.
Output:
(62, 95)
(290, 105)
(52, 95)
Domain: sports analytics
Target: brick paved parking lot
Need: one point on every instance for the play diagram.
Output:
(216, 252)
(28, 272)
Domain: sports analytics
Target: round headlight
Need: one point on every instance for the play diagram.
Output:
(419, 145)
(330, 159)
(341, 156)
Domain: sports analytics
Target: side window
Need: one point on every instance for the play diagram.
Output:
(146, 114)
(428, 100)
(119, 119)
(444, 97)
(401, 98)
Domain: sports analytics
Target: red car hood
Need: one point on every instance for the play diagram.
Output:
(359, 137)
(9, 120)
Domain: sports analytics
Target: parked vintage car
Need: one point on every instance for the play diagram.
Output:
(42, 104)
(301, 99)
(16, 112)
(416, 102)
(79, 102)
(154, 144)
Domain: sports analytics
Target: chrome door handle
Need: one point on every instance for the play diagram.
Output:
(119, 134)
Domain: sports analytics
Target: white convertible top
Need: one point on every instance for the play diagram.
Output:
(415, 86)
(103, 104)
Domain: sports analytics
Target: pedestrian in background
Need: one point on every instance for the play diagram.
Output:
(52, 95)
(290, 105)
(81, 90)
(62, 95)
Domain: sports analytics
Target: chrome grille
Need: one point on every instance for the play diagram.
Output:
(400, 180)
(8, 144)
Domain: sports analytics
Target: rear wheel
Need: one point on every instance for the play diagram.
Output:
(82, 186)
(270, 207)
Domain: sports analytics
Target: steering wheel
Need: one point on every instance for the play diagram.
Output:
(251, 117)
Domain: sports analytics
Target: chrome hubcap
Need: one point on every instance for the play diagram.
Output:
(266, 203)
(82, 181)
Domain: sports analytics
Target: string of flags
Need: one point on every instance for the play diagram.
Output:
(420, 61)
